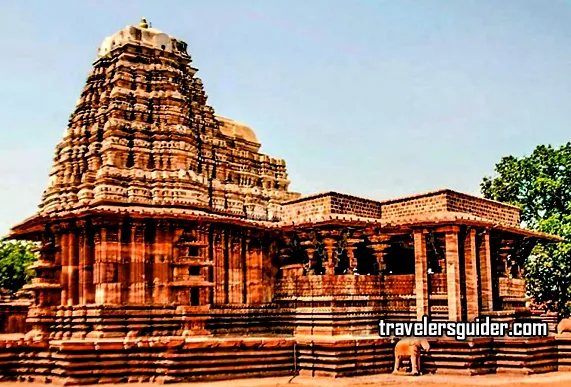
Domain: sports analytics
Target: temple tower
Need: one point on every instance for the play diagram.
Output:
(143, 161)
(142, 134)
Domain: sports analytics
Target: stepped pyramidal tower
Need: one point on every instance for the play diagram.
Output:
(143, 172)
(142, 134)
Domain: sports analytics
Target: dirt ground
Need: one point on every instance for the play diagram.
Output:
(555, 379)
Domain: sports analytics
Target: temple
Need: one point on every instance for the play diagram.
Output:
(163, 220)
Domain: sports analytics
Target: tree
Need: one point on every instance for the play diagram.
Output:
(15, 259)
(540, 184)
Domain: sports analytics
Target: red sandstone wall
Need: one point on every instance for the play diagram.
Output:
(307, 208)
(331, 203)
(13, 317)
(342, 204)
(438, 201)
(484, 208)
(414, 206)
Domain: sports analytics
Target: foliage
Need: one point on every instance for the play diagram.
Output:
(540, 184)
(15, 259)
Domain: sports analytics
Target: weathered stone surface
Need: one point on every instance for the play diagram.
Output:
(163, 229)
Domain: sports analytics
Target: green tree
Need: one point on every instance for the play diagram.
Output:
(540, 184)
(15, 259)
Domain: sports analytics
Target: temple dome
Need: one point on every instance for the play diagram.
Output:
(236, 129)
(141, 35)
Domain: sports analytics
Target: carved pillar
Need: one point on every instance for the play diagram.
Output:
(351, 247)
(64, 266)
(219, 270)
(235, 280)
(453, 274)
(137, 280)
(99, 267)
(471, 274)
(421, 274)
(285, 251)
(73, 269)
(108, 286)
(246, 270)
(485, 261)
(86, 290)
(330, 250)
(379, 244)
(254, 272)
(161, 264)
(309, 247)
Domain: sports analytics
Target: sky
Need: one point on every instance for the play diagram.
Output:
(368, 97)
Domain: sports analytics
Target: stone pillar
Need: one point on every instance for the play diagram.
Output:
(453, 274)
(83, 248)
(86, 289)
(137, 281)
(351, 247)
(352, 260)
(64, 266)
(471, 274)
(99, 265)
(330, 251)
(311, 259)
(73, 269)
(421, 274)
(108, 286)
(485, 261)
(254, 272)
(161, 264)
(379, 244)
(236, 273)
(219, 271)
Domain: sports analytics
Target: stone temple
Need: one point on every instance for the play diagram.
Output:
(172, 249)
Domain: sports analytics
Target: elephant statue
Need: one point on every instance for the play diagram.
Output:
(410, 348)
(564, 326)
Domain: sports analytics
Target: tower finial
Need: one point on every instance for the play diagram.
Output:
(143, 23)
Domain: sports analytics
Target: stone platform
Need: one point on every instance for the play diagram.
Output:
(176, 359)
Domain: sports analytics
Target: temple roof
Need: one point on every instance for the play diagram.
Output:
(141, 34)
(236, 129)
(35, 223)
(143, 142)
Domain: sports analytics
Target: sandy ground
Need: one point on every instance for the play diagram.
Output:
(554, 379)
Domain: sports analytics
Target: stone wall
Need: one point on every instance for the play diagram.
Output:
(13, 317)
(345, 204)
(486, 209)
(331, 203)
(305, 208)
(415, 205)
(116, 361)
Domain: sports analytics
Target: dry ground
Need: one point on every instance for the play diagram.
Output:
(555, 379)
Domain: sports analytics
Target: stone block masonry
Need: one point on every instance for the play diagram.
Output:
(172, 249)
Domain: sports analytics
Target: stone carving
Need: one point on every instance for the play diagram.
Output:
(164, 219)
(410, 348)
(564, 326)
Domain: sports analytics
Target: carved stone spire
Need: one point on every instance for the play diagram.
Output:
(142, 133)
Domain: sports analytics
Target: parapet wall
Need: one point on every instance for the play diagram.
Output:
(414, 205)
(488, 209)
(331, 203)
(306, 208)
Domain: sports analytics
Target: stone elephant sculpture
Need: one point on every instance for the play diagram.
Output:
(410, 348)
(564, 326)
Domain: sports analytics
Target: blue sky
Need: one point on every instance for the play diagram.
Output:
(373, 98)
